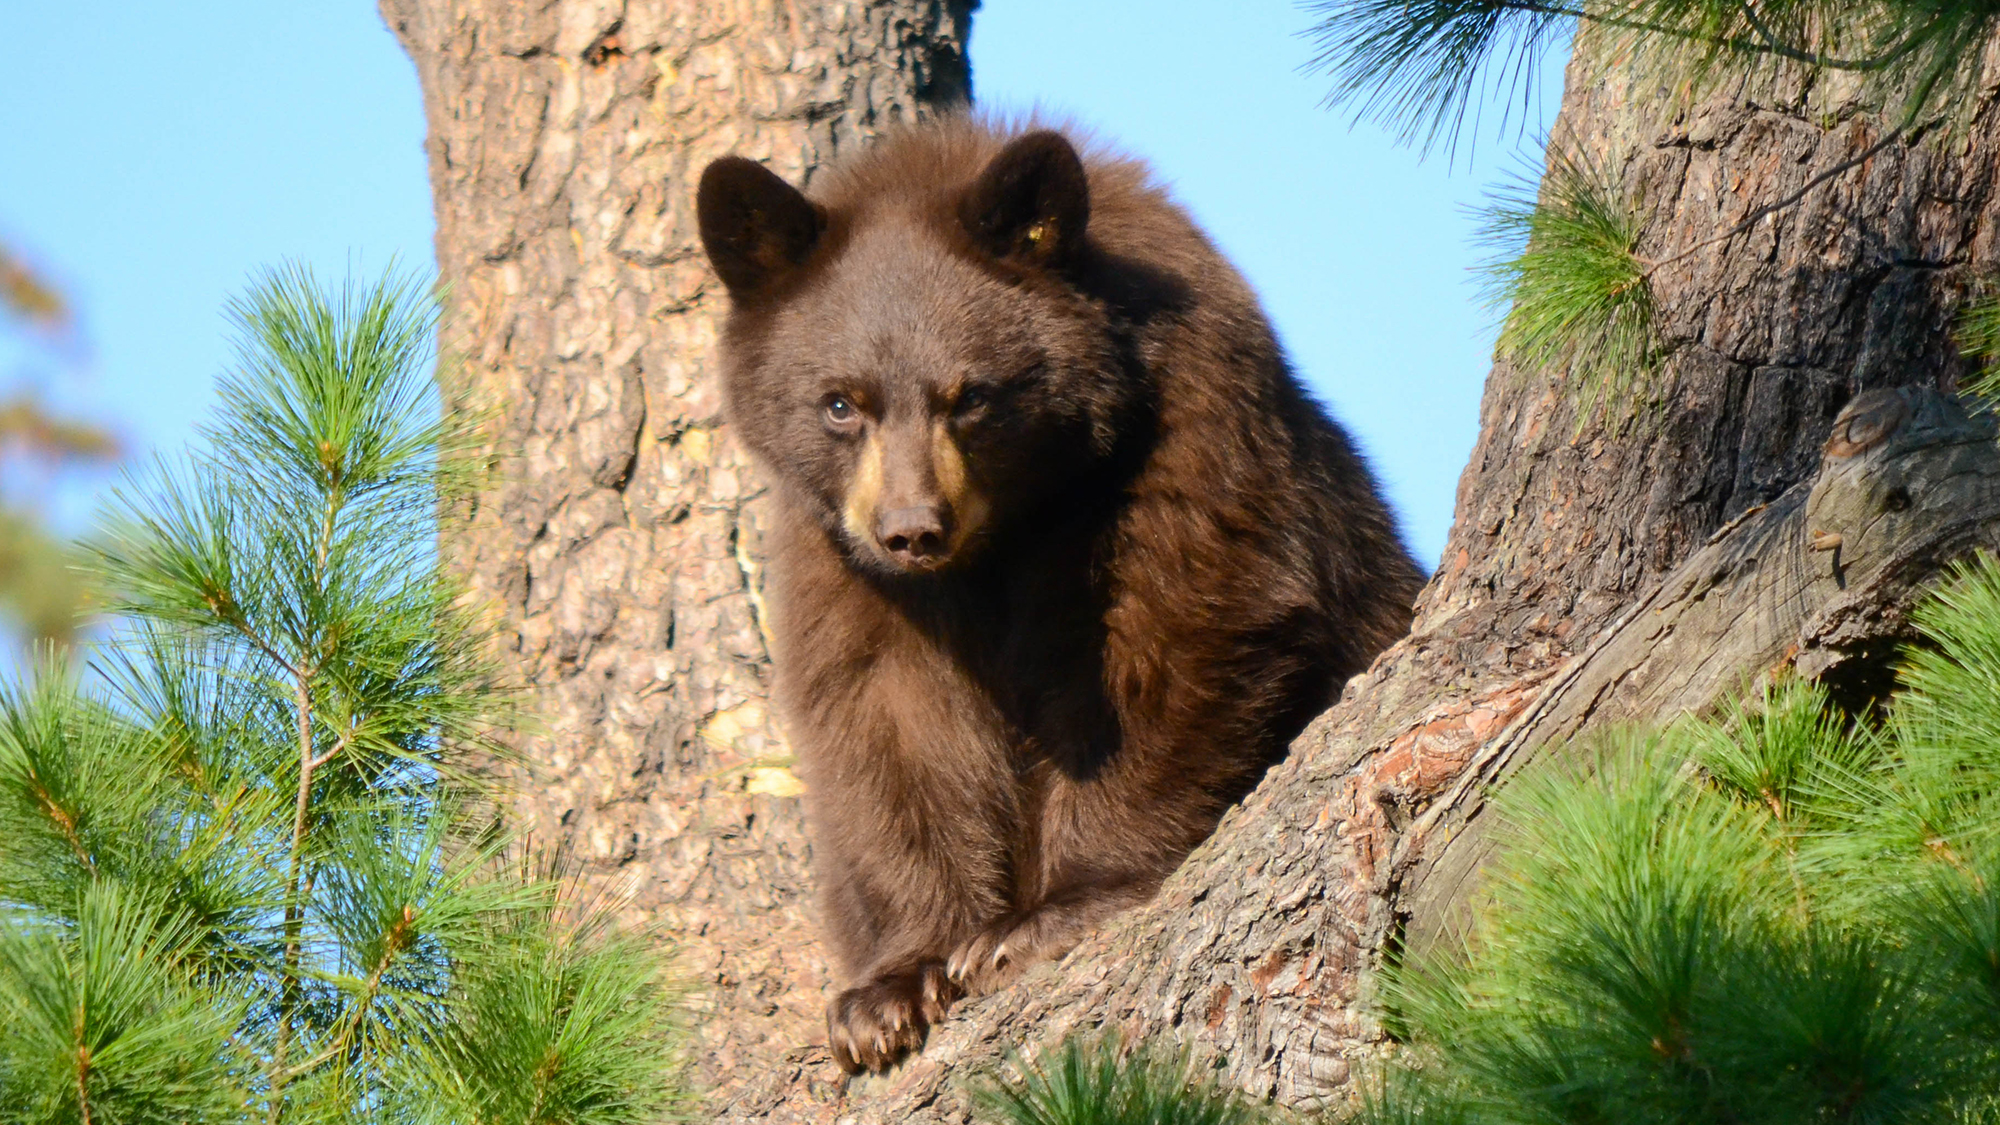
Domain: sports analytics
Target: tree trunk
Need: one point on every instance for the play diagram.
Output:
(1778, 494)
(620, 538)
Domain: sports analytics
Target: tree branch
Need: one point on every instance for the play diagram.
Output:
(82, 1069)
(294, 910)
(1773, 44)
(1778, 46)
(397, 939)
(309, 763)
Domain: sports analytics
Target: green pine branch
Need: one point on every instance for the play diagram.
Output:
(1098, 1081)
(1578, 299)
(1418, 66)
(1978, 338)
(244, 875)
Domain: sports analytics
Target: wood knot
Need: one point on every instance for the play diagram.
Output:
(1866, 423)
(604, 49)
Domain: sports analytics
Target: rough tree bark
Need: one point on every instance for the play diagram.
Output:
(1600, 569)
(620, 538)
(1778, 495)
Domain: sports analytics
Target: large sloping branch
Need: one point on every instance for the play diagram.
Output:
(1820, 580)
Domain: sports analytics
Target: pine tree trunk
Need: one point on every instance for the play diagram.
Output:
(1776, 496)
(620, 538)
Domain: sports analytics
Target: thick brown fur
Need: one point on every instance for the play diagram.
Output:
(1065, 556)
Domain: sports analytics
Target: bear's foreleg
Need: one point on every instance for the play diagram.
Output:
(1000, 951)
(1104, 843)
(911, 801)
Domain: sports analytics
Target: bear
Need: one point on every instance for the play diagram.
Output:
(1063, 554)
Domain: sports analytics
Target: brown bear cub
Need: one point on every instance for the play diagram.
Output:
(1064, 555)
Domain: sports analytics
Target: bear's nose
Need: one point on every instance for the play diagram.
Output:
(913, 536)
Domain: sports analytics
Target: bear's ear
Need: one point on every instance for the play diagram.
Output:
(1032, 201)
(756, 227)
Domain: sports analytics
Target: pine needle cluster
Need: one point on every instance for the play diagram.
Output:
(1780, 917)
(1978, 337)
(243, 874)
(1096, 1081)
(1577, 297)
(1417, 66)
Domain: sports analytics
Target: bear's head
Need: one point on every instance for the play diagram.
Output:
(914, 353)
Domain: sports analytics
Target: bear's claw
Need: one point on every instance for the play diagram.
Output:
(872, 1026)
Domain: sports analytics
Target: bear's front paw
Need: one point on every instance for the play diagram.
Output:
(994, 956)
(873, 1025)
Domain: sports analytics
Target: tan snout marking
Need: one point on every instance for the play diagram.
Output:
(969, 507)
(864, 493)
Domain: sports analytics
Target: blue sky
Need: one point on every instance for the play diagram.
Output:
(156, 159)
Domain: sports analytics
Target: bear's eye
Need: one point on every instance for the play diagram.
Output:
(971, 400)
(841, 412)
